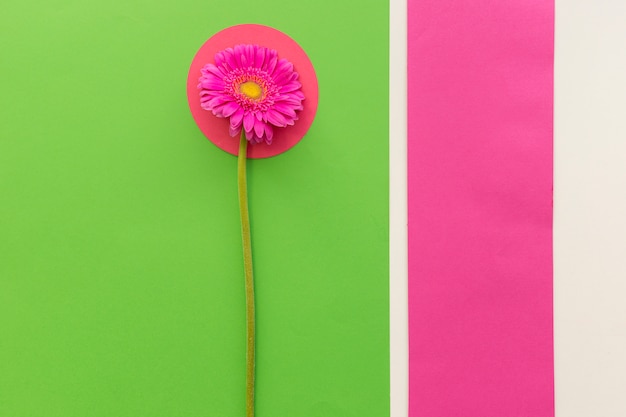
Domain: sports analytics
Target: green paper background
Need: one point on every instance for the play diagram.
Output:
(121, 282)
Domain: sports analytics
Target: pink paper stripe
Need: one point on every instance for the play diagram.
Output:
(480, 208)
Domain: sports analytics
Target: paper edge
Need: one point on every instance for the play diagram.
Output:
(398, 233)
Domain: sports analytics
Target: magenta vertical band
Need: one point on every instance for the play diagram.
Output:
(480, 90)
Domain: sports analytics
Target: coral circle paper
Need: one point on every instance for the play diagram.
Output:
(480, 208)
(216, 129)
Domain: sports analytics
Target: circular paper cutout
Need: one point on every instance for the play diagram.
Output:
(215, 128)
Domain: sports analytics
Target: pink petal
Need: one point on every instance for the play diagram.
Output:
(250, 54)
(237, 118)
(283, 66)
(238, 53)
(259, 57)
(297, 94)
(269, 133)
(259, 128)
(276, 118)
(230, 58)
(219, 59)
(216, 110)
(217, 101)
(292, 86)
(288, 99)
(272, 63)
(215, 71)
(248, 122)
(285, 109)
(230, 109)
(283, 71)
(212, 84)
(268, 54)
(234, 131)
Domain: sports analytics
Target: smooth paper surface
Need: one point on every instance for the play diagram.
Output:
(589, 207)
(121, 278)
(480, 208)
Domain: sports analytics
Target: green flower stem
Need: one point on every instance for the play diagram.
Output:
(247, 267)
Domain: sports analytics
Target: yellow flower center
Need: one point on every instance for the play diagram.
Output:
(251, 90)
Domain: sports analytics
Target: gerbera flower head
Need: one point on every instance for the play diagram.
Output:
(252, 87)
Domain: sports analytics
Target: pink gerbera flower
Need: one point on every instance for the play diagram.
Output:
(255, 89)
